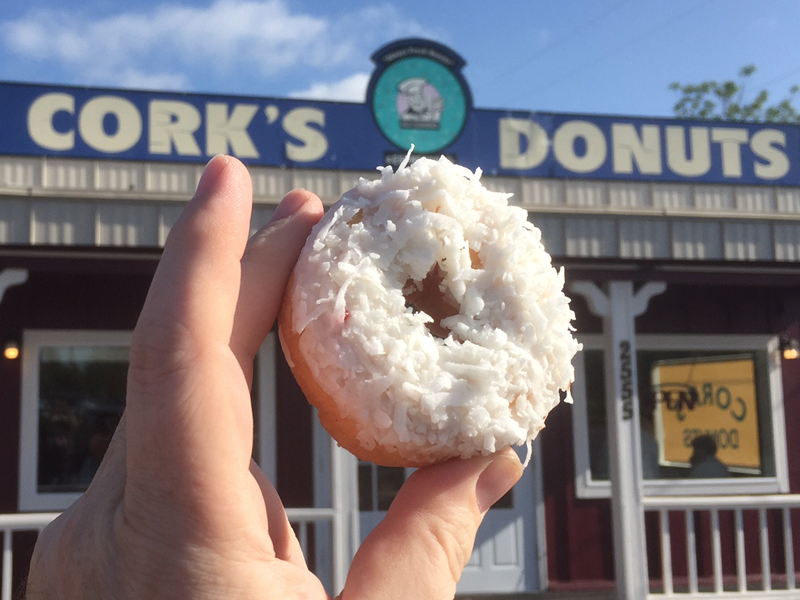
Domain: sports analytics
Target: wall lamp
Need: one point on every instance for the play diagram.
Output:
(11, 350)
(790, 347)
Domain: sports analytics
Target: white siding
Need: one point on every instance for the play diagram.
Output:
(675, 197)
(68, 175)
(552, 229)
(787, 241)
(643, 238)
(788, 200)
(121, 176)
(125, 203)
(16, 172)
(586, 194)
(542, 192)
(15, 225)
(271, 183)
(747, 240)
(168, 215)
(127, 225)
(61, 222)
(172, 179)
(755, 199)
(713, 198)
(591, 237)
(629, 195)
(696, 240)
(324, 184)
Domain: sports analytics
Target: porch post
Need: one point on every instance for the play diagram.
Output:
(618, 308)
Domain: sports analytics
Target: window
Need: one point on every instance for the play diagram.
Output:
(73, 395)
(710, 416)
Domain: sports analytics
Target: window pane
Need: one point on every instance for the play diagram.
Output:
(365, 484)
(703, 414)
(390, 480)
(81, 398)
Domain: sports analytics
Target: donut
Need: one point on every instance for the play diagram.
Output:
(424, 319)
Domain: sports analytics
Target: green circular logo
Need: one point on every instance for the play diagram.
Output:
(419, 101)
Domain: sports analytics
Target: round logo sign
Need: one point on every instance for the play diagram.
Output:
(418, 96)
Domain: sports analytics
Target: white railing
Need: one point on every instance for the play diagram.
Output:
(300, 518)
(780, 583)
(8, 525)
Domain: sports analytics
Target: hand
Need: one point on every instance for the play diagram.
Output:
(178, 509)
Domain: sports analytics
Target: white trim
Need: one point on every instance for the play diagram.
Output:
(586, 487)
(335, 510)
(540, 517)
(321, 451)
(10, 278)
(265, 363)
(344, 501)
(32, 340)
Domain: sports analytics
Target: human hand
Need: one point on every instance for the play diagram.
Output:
(178, 509)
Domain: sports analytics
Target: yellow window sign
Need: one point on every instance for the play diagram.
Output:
(709, 397)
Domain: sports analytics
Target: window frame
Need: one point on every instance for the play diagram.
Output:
(29, 498)
(586, 487)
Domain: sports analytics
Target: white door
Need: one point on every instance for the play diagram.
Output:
(505, 555)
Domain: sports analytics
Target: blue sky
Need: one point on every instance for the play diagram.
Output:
(585, 56)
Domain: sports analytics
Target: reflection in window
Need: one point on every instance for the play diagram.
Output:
(702, 414)
(81, 398)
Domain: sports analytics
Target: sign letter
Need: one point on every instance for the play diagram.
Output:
(693, 163)
(628, 146)
(223, 129)
(40, 121)
(93, 131)
(765, 145)
(314, 143)
(564, 146)
(730, 141)
(516, 134)
(173, 123)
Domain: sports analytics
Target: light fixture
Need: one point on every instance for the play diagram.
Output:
(11, 350)
(790, 347)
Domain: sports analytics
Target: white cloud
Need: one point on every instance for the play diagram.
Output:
(169, 43)
(139, 80)
(349, 89)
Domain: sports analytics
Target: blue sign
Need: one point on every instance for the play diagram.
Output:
(416, 96)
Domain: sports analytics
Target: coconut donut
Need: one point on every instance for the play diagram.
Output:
(424, 319)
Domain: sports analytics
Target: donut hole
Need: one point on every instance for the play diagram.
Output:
(356, 218)
(433, 298)
(475, 259)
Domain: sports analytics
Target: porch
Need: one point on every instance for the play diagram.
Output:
(710, 548)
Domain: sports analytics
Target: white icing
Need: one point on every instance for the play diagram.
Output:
(488, 385)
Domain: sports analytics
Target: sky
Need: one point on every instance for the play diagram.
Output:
(613, 57)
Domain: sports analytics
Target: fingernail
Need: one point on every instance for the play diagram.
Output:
(497, 478)
(290, 204)
(211, 173)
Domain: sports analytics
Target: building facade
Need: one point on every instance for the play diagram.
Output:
(698, 221)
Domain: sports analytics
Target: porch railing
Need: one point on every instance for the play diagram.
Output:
(323, 538)
(776, 577)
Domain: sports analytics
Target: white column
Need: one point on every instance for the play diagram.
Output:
(618, 308)
(346, 536)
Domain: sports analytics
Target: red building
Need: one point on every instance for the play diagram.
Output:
(695, 415)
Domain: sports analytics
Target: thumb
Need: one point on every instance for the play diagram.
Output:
(426, 538)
